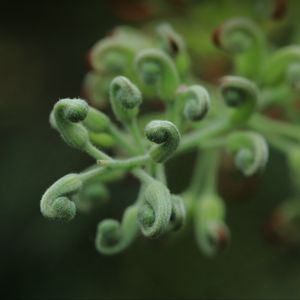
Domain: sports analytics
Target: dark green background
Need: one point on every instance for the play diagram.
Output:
(42, 50)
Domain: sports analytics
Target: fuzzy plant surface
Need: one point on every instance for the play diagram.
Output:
(131, 70)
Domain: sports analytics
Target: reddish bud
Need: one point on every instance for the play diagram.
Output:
(279, 10)
(218, 237)
(222, 238)
(216, 37)
(88, 61)
(173, 45)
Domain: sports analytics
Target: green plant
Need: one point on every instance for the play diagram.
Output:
(128, 66)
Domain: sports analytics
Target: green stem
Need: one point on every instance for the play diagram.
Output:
(261, 123)
(91, 173)
(198, 175)
(213, 143)
(194, 139)
(126, 163)
(211, 178)
(160, 173)
(135, 131)
(173, 111)
(95, 153)
(142, 175)
(205, 173)
(280, 143)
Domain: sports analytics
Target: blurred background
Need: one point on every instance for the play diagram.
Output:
(42, 59)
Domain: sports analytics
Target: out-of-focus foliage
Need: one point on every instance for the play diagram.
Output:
(42, 50)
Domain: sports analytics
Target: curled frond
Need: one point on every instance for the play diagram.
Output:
(155, 68)
(115, 53)
(244, 39)
(212, 234)
(174, 45)
(113, 237)
(155, 210)
(171, 41)
(237, 35)
(66, 115)
(178, 212)
(241, 95)
(278, 67)
(125, 98)
(166, 135)
(112, 55)
(251, 151)
(56, 202)
(197, 102)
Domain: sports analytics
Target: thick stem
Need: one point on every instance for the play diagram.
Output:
(126, 163)
(211, 176)
(135, 131)
(142, 175)
(205, 173)
(160, 173)
(91, 173)
(173, 112)
(95, 153)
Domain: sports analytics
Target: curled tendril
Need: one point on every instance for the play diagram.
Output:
(111, 55)
(242, 95)
(66, 115)
(166, 135)
(197, 102)
(178, 213)
(56, 203)
(113, 237)
(212, 234)
(251, 151)
(276, 67)
(155, 68)
(243, 38)
(171, 40)
(125, 98)
(174, 45)
(115, 54)
(155, 210)
(237, 35)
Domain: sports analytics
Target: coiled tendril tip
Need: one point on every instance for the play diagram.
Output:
(241, 95)
(125, 98)
(56, 202)
(166, 135)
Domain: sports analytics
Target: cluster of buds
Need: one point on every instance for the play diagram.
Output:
(130, 69)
